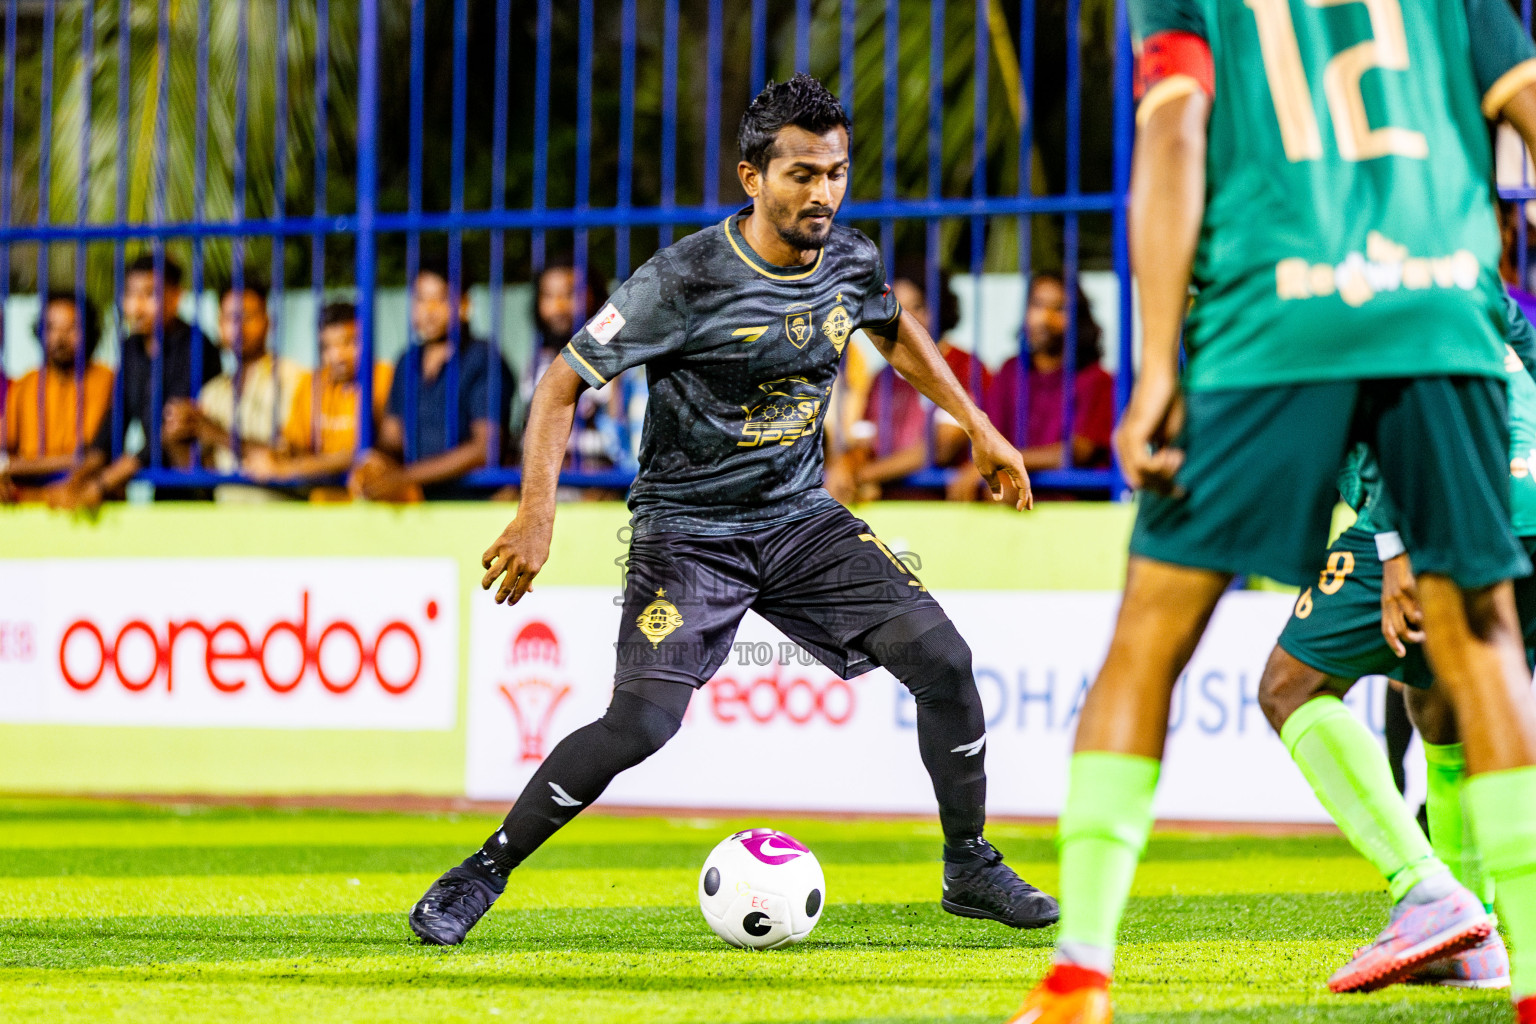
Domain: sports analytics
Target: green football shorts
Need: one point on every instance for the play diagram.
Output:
(1260, 477)
(1336, 625)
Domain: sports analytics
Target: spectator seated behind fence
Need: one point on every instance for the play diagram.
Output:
(1035, 428)
(320, 436)
(251, 402)
(426, 455)
(100, 475)
(886, 447)
(605, 432)
(48, 415)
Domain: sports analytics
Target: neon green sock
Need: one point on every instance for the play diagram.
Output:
(1102, 833)
(1349, 773)
(1501, 807)
(1447, 764)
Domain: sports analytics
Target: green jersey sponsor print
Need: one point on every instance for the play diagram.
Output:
(1349, 231)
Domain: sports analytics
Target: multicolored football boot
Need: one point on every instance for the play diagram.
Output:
(1417, 935)
(1068, 995)
(1485, 965)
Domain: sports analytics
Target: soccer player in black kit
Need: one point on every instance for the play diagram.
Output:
(740, 328)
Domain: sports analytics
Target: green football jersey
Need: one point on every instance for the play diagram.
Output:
(1360, 476)
(1349, 230)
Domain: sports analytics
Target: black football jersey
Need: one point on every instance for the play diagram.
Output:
(740, 356)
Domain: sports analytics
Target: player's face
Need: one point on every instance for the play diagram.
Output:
(61, 339)
(1046, 317)
(557, 302)
(243, 314)
(338, 351)
(140, 310)
(431, 307)
(804, 185)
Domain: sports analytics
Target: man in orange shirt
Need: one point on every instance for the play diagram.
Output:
(48, 416)
(320, 438)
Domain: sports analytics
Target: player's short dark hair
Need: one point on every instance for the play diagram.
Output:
(802, 102)
(250, 286)
(92, 331)
(145, 264)
(334, 313)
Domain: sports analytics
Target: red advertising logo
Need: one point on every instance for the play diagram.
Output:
(797, 699)
(533, 695)
(338, 656)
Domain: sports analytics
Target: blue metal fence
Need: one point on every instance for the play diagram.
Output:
(821, 37)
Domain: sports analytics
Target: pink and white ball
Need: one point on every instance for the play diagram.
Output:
(762, 889)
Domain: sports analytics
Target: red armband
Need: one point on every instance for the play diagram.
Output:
(1166, 55)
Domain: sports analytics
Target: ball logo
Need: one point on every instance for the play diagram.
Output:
(769, 846)
(757, 924)
(532, 694)
(338, 655)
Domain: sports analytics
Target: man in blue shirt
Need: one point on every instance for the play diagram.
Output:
(448, 405)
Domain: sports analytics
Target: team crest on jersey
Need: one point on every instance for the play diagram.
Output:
(838, 326)
(790, 410)
(799, 324)
(659, 618)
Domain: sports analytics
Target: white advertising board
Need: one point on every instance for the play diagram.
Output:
(773, 731)
(287, 643)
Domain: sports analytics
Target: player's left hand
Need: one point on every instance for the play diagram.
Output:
(996, 459)
(1401, 617)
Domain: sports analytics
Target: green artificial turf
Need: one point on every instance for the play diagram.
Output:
(126, 912)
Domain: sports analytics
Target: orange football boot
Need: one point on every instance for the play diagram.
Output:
(1068, 995)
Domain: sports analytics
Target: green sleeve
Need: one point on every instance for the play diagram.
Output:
(1499, 42)
(1519, 334)
(1149, 17)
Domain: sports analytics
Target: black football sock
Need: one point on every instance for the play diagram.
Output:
(935, 664)
(580, 767)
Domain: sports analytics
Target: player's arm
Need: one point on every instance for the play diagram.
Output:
(523, 547)
(907, 346)
(1166, 208)
(1504, 64)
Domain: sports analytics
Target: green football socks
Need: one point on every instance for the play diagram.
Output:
(1102, 833)
(1349, 773)
(1501, 808)
(1447, 764)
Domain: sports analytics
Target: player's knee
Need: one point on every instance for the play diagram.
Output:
(1431, 713)
(1286, 685)
(939, 671)
(639, 726)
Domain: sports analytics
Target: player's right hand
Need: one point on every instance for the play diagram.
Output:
(1401, 617)
(518, 555)
(1143, 440)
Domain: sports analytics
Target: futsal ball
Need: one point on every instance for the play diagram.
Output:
(761, 889)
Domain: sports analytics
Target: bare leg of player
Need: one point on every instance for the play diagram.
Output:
(1119, 747)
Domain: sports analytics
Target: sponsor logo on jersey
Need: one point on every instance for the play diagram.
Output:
(659, 618)
(838, 326)
(799, 324)
(790, 410)
(1385, 266)
(606, 325)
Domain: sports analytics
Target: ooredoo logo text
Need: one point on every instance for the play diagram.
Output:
(283, 656)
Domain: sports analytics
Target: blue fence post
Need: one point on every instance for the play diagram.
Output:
(1124, 136)
(82, 212)
(44, 189)
(366, 263)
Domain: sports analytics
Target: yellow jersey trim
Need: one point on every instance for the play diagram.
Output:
(730, 236)
(590, 368)
(1169, 89)
(1509, 83)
